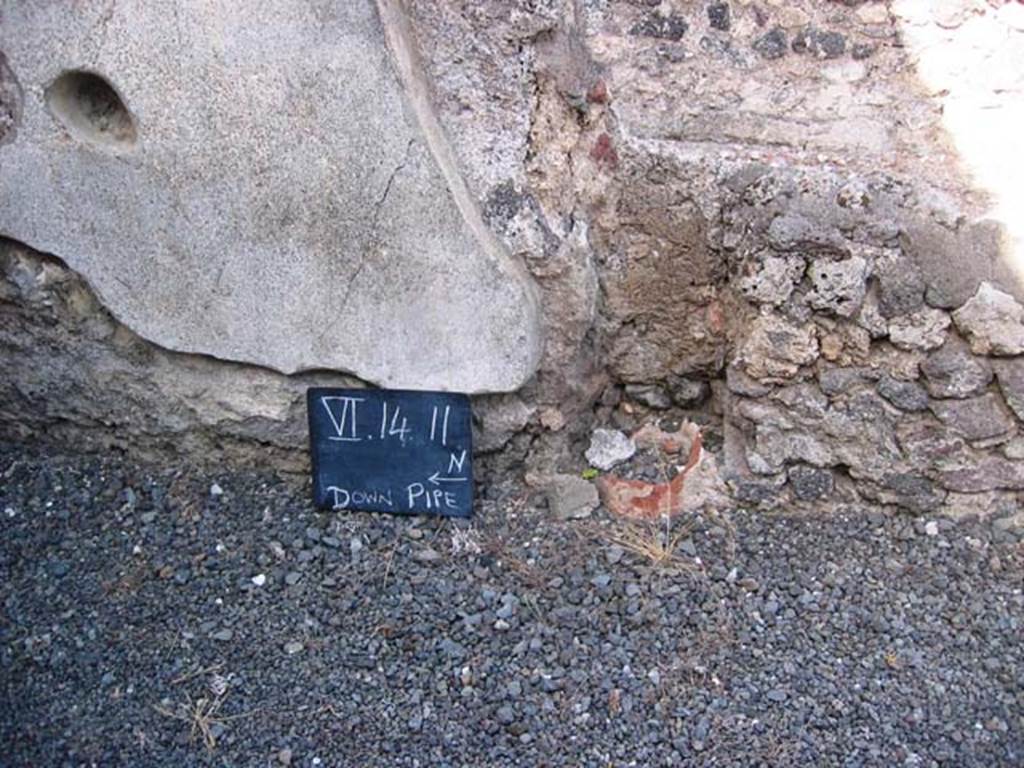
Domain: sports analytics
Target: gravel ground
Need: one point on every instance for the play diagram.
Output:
(169, 618)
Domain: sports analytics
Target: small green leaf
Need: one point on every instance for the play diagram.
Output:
(589, 474)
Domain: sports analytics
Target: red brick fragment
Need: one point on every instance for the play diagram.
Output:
(604, 153)
(640, 500)
(598, 94)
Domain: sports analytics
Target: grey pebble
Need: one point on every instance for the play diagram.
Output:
(427, 555)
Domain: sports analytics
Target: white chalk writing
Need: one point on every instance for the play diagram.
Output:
(455, 465)
(421, 497)
(396, 468)
(344, 498)
(345, 422)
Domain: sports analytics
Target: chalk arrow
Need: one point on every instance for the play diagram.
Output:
(436, 479)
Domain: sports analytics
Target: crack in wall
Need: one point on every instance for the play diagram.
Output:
(410, 71)
(387, 188)
(373, 240)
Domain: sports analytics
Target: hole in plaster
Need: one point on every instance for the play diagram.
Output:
(91, 110)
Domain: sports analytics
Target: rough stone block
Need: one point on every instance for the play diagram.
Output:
(953, 372)
(794, 232)
(671, 27)
(772, 280)
(823, 44)
(910, 491)
(986, 473)
(924, 329)
(839, 381)
(871, 318)
(1010, 374)
(977, 418)
(687, 392)
(776, 348)
(497, 420)
(905, 395)
(1014, 449)
(609, 447)
(651, 395)
(571, 497)
(719, 17)
(772, 44)
(925, 441)
(775, 447)
(838, 286)
(992, 321)
(811, 483)
(900, 287)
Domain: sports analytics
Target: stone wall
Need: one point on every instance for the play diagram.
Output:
(776, 219)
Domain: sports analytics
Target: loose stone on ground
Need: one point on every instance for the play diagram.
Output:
(859, 638)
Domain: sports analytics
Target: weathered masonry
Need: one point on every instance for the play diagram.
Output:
(788, 222)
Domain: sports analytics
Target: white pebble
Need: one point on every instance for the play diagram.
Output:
(216, 490)
(931, 528)
(260, 579)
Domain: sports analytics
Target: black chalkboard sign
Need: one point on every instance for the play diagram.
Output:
(390, 450)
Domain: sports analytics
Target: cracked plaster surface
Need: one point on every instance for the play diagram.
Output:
(247, 221)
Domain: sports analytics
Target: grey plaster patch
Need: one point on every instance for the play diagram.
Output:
(954, 263)
(272, 199)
